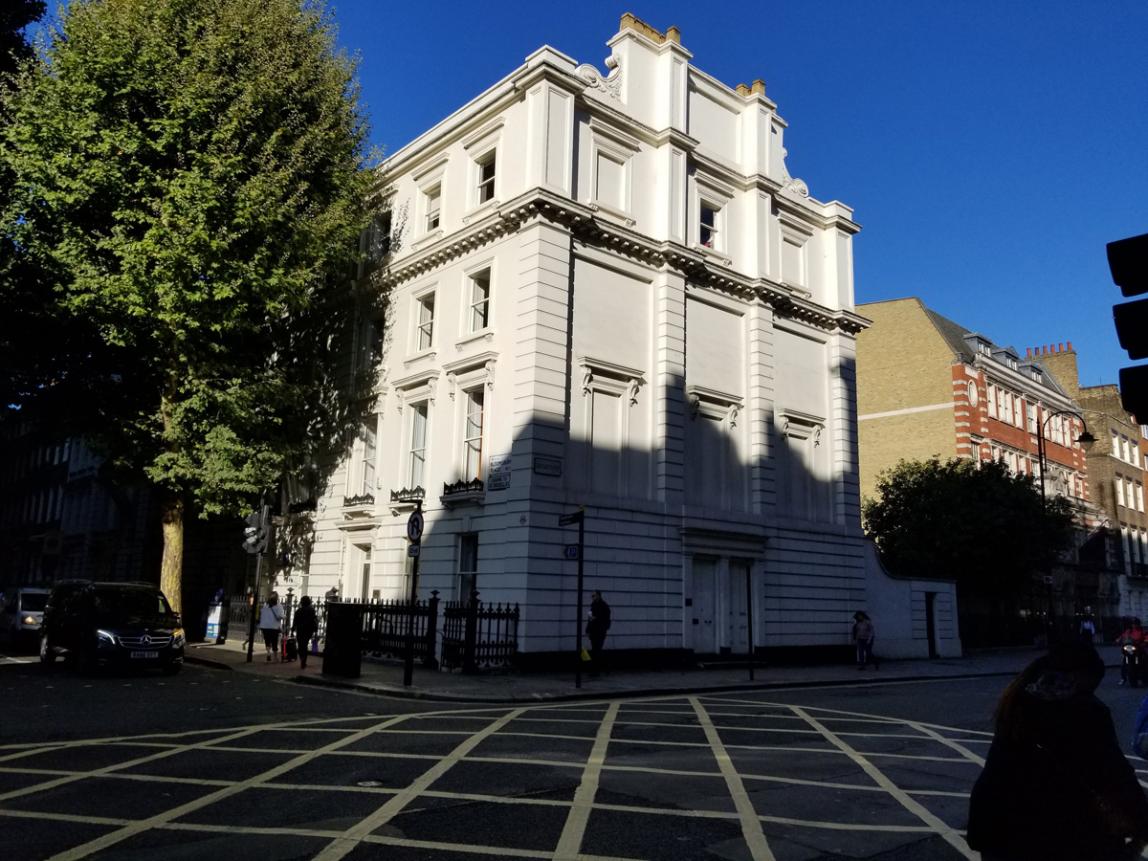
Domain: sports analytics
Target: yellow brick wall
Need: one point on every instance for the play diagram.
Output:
(902, 362)
(918, 436)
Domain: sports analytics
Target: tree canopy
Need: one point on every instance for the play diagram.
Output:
(15, 15)
(190, 183)
(976, 524)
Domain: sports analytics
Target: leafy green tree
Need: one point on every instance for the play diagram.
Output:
(19, 317)
(978, 525)
(15, 16)
(190, 177)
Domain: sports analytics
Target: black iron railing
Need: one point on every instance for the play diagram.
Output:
(478, 637)
(408, 494)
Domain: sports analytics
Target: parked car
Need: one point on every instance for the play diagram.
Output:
(21, 612)
(111, 624)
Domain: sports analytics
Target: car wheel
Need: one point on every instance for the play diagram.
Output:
(47, 656)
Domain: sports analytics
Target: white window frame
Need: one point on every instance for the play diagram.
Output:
(472, 281)
(1120, 491)
(486, 187)
(417, 408)
(992, 400)
(468, 438)
(716, 196)
(423, 329)
(419, 389)
(1139, 496)
(465, 376)
(432, 208)
(367, 457)
(481, 148)
(711, 234)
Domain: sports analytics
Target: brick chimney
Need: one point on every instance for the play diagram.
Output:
(1061, 361)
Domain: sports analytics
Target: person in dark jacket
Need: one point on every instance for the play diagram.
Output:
(596, 630)
(1056, 785)
(305, 624)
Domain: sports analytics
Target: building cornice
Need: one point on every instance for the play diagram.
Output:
(587, 226)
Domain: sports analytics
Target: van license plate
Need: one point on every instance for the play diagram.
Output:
(145, 655)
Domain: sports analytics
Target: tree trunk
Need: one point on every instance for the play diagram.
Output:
(171, 568)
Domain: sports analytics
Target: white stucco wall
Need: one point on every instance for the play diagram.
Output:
(697, 400)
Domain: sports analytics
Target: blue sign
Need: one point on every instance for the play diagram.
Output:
(570, 551)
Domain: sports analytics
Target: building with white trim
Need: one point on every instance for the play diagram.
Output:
(606, 290)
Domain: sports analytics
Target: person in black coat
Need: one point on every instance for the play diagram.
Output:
(305, 624)
(1056, 784)
(596, 629)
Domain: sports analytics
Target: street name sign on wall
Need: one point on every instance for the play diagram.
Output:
(498, 472)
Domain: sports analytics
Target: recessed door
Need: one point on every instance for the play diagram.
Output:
(737, 619)
(701, 617)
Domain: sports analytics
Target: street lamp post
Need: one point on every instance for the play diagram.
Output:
(1085, 439)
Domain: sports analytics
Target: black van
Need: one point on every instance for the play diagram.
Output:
(111, 624)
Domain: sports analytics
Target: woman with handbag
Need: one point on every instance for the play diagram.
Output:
(1056, 784)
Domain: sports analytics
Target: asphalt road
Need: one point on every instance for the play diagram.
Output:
(214, 762)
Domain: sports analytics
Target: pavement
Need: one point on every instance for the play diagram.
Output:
(386, 678)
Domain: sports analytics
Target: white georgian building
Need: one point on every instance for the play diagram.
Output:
(606, 290)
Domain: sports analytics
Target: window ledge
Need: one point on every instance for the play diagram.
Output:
(486, 334)
(613, 213)
(713, 254)
(463, 492)
(481, 209)
(427, 239)
(429, 353)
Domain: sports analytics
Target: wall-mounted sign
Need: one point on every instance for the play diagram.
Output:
(548, 466)
(498, 472)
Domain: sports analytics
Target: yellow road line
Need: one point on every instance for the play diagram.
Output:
(948, 834)
(570, 843)
(114, 837)
(347, 841)
(750, 823)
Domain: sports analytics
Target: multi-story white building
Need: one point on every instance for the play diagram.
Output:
(606, 290)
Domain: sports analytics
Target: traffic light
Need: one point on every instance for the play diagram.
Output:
(1128, 262)
(255, 533)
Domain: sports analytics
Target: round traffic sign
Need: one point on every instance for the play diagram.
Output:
(415, 526)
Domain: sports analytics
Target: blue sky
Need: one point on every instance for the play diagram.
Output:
(990, 150)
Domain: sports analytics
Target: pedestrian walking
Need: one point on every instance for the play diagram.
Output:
(305, 624)
(271, 624)
(1087, 627)
(864, 633)
(1056, 785)
(596, 628)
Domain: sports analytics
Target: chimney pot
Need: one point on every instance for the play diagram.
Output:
(1061, 347)
(1028, 352)
(1070, 346)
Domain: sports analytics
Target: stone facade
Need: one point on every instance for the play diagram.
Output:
(606, 290)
